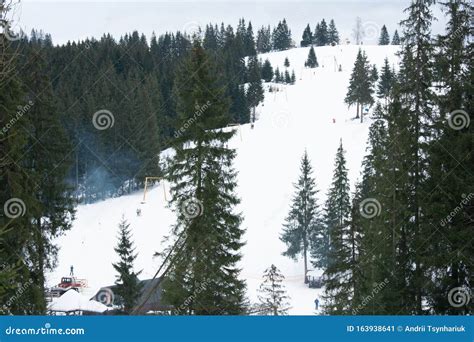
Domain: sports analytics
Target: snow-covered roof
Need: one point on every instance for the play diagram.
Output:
(74, 301)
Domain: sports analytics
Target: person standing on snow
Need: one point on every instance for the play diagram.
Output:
(316, 303)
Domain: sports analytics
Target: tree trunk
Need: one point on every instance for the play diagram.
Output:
(305, 265)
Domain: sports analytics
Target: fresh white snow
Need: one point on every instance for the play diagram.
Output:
(296, 118)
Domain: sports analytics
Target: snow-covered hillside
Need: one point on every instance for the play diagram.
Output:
(296, 118)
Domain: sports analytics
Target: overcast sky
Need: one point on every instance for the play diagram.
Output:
(72, 20)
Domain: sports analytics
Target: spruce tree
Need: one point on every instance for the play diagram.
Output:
(286, 63)
(203, 276)
(307, 38)
(287, 77)
(267, 71)
(128, 286)
(333, 35)
(272, 294)
(448, 164)
(281, 36)
(396, 38)
(338, 291)
(303, 221)
(374, 75)
(312, 61)
(385, 84)
(278, 77)
(47, 164)
(255, 93)
(15, 198)
(360, 85)
(321, 34)
(293, 77)
(384, 38)
(416, 75)
(264, 40)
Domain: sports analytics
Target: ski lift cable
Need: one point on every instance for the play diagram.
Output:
(168, 256)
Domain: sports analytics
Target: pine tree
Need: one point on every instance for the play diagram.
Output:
(293, 77)
(384, 38)
(267, 71)
(307, 38)
(128, 286)
(333, 35)
(281, 36)
(15, 228)
(278, 77)
(321, 34)
(287, 62)
(203, 278)
(48, 146)
(255, 93)
(374, 74)
(395, 38)
(287, 77)
(264, 40)
(416, 103)
(273, 298)
(360, 85)
(312, 61)
(303, 220)
(385, 82)
(448, 165)
(249, 41)
(338, 290)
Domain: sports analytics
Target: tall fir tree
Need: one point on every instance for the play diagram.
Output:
(386, 80)
(360, 85)
(255, 93)
(281, 36)
(303, 221)
(321, 35)
(203, 278)
(396, 38)
(128, 286)
(384, 38)
(264, 40)
(267, 71)
(272, 294)
(416, 76)
(449, 161)
(307, 38)
(338, 291)
(312, 61)
(15, 198)
(333, 34)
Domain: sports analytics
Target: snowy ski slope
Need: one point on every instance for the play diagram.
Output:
(296, 118)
